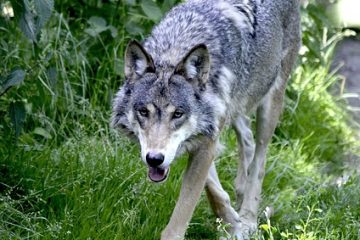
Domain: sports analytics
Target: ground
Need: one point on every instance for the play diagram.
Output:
(348, 55)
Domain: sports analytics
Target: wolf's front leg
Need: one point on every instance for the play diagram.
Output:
(193, 183)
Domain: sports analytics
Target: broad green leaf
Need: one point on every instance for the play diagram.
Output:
(42, 132)
(114, 31)
(133, 28)
(27, 22)
(51, 74)
(13, 79)
(97, 26)
(17, 115)
(131, 2)
(151, 10)
(16, 77)
(168, 4)
(97, 22)
(44, 10)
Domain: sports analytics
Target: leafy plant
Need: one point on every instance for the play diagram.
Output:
(15, 78)
(32, 15)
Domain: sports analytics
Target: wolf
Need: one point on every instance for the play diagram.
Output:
(207, 66)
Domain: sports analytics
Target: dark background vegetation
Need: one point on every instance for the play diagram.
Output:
(65, 175)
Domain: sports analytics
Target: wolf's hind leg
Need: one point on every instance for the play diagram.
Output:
(219, 199)
(246, 147)
(266, 119)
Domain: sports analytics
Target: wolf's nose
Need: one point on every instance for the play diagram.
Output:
(154, 159)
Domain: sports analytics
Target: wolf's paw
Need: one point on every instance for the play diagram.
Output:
(244, 230)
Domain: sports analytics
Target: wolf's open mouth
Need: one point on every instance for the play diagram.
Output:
(158, 174)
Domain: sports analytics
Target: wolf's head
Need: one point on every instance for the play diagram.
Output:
(164, 106)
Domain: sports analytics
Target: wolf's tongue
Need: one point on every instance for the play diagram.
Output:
(157, 174)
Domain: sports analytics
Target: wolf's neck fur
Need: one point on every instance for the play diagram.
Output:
(211, 22)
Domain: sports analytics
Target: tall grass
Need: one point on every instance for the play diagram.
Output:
(68, 176)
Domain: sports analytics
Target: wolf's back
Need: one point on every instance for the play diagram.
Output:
(245, 36)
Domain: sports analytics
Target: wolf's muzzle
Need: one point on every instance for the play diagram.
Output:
(156, 172)
(154, 159)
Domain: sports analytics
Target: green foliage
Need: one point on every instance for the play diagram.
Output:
(13, 79)
(151, 10)
(32, 15)
(17, 114)
(72, 64)
(308, 93)
(65, 175)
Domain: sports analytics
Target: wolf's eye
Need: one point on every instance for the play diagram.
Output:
(177, 114)
(144, 112)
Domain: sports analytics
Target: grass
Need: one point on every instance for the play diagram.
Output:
(68, 176)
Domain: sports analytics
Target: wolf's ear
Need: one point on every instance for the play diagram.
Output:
(137, 61)
(195, 66)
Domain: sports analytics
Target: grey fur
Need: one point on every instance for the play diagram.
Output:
(207, 64)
